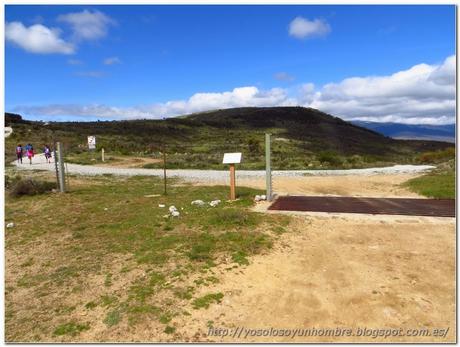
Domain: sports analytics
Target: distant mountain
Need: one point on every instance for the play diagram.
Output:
(415, 132)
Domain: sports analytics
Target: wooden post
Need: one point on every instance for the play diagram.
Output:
(268, 169)
(164, 168)
(61, 168)
(232, 182)
(102, 153)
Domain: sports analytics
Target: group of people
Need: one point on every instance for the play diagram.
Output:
(29, 151)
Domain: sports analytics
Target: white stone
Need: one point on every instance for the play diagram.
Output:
(198, 202)
(214, 203)
(161, 205)
(172, 208)
(10, 225)
(257, 198)
(263, 197)
(166, 216)
(175, 213)
(106, 209)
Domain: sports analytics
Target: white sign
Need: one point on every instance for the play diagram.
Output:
(232, 158)
(92, 142)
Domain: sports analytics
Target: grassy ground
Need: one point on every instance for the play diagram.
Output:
(438, 184)
(105, 259)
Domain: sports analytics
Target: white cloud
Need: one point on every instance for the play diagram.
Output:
(37, 38)
(303, 28)
(423, 94)
(87, 25)
(112, 61)
(238, 97)
(284, 76)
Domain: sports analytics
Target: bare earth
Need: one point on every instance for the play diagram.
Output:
(347, 272)
(129, 162)
(364, 186)
(328, 271)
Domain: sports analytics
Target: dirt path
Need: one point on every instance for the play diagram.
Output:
(365, 186)
(361, 272)
(128, 162)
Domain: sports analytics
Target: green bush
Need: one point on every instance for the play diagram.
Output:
(329, 157)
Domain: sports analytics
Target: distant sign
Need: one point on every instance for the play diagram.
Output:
(92, 142)
(232, 158)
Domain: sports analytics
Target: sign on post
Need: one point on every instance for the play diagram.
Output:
(232, 159)
(91, 142)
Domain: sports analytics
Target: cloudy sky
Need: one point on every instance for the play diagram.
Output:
(376, 63)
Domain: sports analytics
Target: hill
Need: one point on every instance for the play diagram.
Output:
(412, 131)
(302, 137)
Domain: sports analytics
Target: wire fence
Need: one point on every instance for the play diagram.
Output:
(180, 152)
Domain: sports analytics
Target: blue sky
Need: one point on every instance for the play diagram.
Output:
(151, 61)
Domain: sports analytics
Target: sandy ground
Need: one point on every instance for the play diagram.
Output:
(347, 272)
(363, 186)
(129, 162)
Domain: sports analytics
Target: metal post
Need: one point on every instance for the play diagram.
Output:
(164, 168)
(232, 182)
(268, 169)
(61, 168)
(55, 164)
(103, 156)
(67, 177)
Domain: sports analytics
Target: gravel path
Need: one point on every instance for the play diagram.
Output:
(39, 163)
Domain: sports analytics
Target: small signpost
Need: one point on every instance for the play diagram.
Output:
(91, 142)
(232, 159)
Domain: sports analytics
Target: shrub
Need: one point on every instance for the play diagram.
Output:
(30, 186)
(437, 156)
(329, 157)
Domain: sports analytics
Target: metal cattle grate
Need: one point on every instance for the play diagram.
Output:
(392, 206)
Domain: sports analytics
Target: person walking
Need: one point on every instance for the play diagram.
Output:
(19, 153)
(47, 152)
(30, 152)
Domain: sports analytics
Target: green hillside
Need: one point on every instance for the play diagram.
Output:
(302, 137)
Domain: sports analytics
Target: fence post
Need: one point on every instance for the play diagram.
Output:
(61, 167)
(56, 164)
(164, 168)
(268, 169)
(232, 182)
